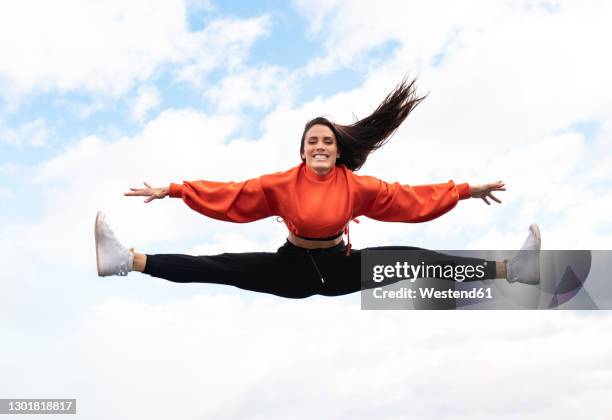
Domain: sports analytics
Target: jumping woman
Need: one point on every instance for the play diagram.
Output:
(316, 200)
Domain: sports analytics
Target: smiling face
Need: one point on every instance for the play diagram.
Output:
(320, 149)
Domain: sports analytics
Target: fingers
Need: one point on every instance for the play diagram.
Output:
(497, 186)
(152, 197)
(138, 191)
(495, 198)
(486, 201)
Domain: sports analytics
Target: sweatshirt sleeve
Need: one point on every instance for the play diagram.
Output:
(393, 202)
(238, 202)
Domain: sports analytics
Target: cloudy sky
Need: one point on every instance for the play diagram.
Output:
(98, 96)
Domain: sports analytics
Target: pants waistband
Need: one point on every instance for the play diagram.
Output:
(288, 247)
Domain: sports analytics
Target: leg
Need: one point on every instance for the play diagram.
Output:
(339, 267)
(140, 261)
(263, 272)
(342, 273)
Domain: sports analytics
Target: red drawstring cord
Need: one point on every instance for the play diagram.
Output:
(348, 236)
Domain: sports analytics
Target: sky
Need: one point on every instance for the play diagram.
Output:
(100, 96)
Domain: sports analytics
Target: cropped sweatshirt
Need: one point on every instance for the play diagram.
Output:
(316, 207)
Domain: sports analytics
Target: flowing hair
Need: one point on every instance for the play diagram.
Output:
(358, 140)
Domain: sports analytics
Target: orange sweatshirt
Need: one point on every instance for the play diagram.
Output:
(316, 206)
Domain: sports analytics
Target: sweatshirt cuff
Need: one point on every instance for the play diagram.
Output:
(175, 191)
(464, 190)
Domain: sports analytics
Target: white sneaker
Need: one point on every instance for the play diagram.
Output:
(111, 256)
(525, 266)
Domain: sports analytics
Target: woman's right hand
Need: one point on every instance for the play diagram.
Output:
(150, 192)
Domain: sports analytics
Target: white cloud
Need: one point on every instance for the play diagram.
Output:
(260, 88)
(515, 68)
(105, 48)
(323, 358)
(8, 168)
(223, 44)
(200, 5)
(148, 98)
(351, 29)
(33, 133)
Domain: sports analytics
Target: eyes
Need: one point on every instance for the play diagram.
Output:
(326, 141)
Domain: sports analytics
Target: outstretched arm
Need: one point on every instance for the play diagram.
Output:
(394, 202)
(238, 202)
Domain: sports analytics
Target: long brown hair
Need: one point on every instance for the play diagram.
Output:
(358, 140)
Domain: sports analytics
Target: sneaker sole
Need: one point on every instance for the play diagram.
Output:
(99, 253)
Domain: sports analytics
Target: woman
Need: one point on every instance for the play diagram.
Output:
(316, 200)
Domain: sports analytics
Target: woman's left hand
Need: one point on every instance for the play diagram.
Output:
(485, 191)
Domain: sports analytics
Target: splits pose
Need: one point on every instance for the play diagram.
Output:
(316, 200)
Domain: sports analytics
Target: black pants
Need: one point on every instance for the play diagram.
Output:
(291, 272)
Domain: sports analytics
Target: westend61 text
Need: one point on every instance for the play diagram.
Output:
(432, 293)
(412, 272)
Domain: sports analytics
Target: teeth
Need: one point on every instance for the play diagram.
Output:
(320, 157)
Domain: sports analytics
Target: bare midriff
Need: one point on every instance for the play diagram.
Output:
(308, 244)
